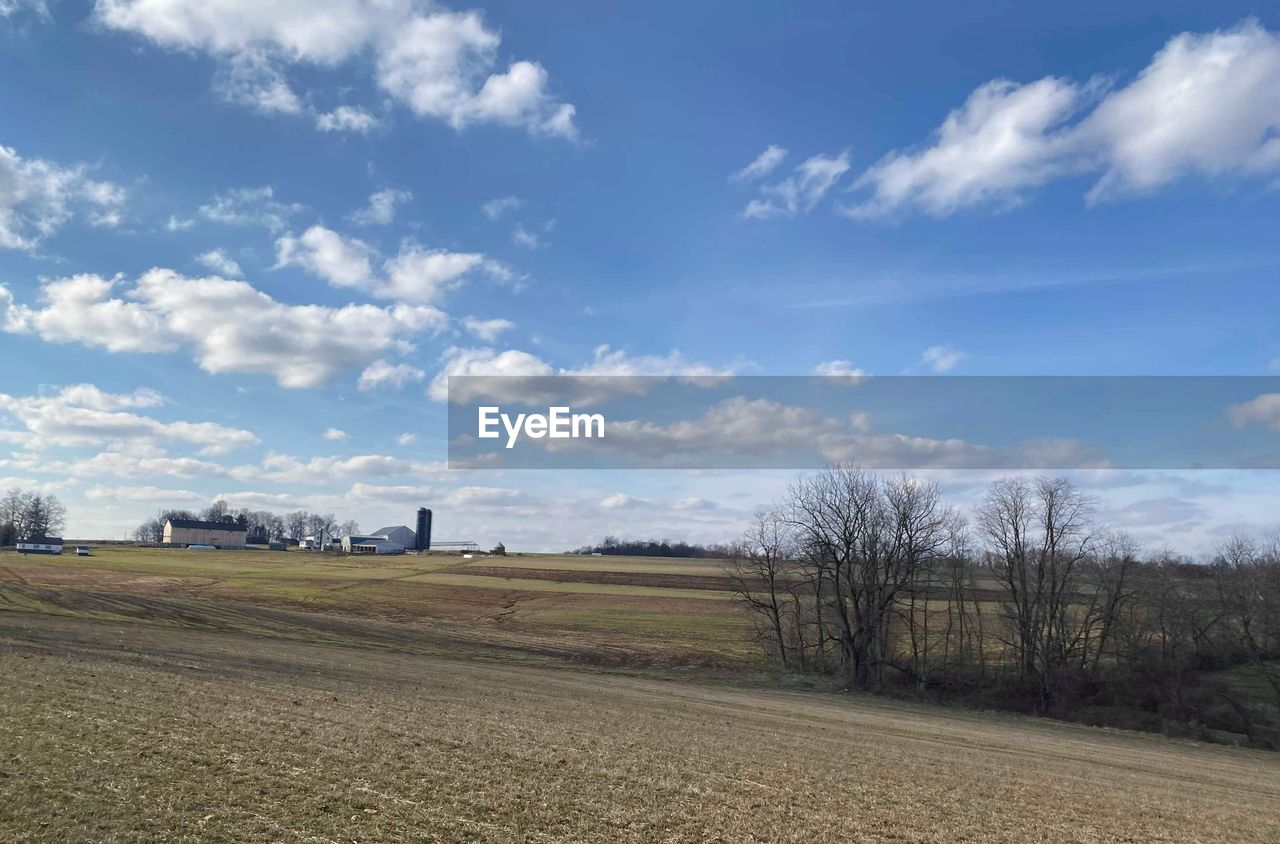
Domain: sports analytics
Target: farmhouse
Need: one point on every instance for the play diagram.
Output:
(192, 532)
(40, 545)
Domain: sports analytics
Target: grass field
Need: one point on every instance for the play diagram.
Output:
(165, 695)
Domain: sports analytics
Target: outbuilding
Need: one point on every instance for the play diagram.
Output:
(40, 545)
(184, 532)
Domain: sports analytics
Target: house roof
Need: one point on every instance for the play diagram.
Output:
(196, 524)
(41, 540)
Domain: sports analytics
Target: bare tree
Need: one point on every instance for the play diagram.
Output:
(758, 571)
(1038, 534)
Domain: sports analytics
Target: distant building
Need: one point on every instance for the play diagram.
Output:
(398, 533)
(317, 542)
(185, 532)
(40, 545)
(371, 545)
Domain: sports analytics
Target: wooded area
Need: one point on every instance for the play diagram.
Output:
(1025, 603)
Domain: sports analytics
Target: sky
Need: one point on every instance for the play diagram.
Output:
(242, 244)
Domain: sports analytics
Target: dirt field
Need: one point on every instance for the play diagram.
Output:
(295, 700)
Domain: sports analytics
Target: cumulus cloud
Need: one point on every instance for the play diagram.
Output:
(220, 262)
(763, 164)
(840, 370)
(299, 345)
(487, 329)
(83, 309)
(484, 361)
(37, 198)
(435, 62)
(1263, 410)
(800, 192)
(335, 434)
(382, 207)
(415, 274)
(347, 119)
(942, 358)
(341, 261)
(1207, 105)
(382, 373)
(84, 415)
(406, 439)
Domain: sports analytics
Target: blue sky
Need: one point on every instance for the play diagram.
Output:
(993, 189)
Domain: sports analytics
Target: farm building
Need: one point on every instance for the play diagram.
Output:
(371, 545)
(40, 545)
(192, 532)
(399, 534)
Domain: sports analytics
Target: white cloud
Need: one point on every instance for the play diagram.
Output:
(229, 325)
(406, 439)
(484, 361)
(83, 415)
(994, 146)
(1207, 105)
(801, 192)
(495, 208)
(424, 275)
(380, 373)
(283, 468)
(521, 236)
(942, 358)
(40, 8)
(487, 329)
(341, 261)
(347, 119)
(1264, 410)
(249, 207)
(610, 371)
(435, 62)
(251, 79)
(82, 309)
(220, 262)
(142, 494)
(840, 370)
(382, 207)
(761, 166)
(415, 274)
(37, 198)
(335, 434)
(179, 224)
(619, 500)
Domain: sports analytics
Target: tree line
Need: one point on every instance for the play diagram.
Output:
(613, 546)
(26, 515)
(1024, 603)
(261, 526)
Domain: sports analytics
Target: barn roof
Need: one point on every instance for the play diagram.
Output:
(196, 524)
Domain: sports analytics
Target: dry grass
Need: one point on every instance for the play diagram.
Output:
(171, 696)
(125, 732)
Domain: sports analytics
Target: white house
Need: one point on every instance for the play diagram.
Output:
(40, 545)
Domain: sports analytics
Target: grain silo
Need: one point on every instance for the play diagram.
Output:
(423, 533)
